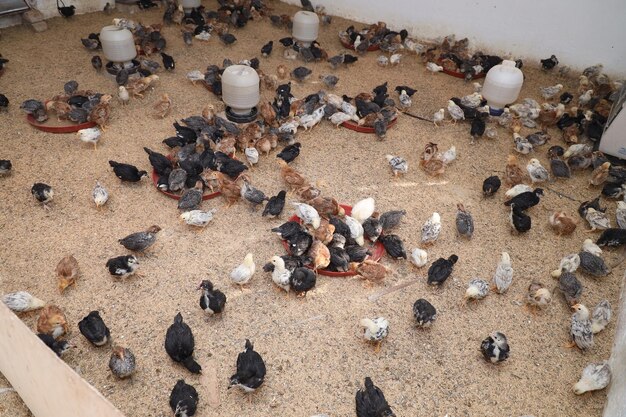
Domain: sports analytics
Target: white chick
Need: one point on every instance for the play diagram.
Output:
(595, 376)
(585, 97)
(601, 316)
(252, 155)
(382, 61)
(21, 301)
(308, 214)
(375, 330)
(569, 263)
(477, 289)
(591, 247)
(620, 214)
(405, 100)
(597, 220)
(308, 121)
(198, 218)
(243, 273)
(473, 100)
(195, 76)
(449, 155)
(203, 36)
(580, 330)
(90, 135)
(122, 95)
(522, 145)
(517, 190)
(356, 229)
(477, 87)
(398, 165)
(395, 59)
(576, 150)
(100, 195)
(439, 116)
(455, 111)
(419, 257)
(549, 92)
(341, 117)
(536, 171)
(363, 209)
(538, 295)
(280, 275)
(504, 274)
(491, 132)
(431, 229)
(434, 68)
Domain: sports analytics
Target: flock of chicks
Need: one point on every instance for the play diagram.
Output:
(325, 236)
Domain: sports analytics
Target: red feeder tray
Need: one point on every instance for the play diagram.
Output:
(364, 129)
(58, 129)
(346, 45)
(460, 74)
(377, 250)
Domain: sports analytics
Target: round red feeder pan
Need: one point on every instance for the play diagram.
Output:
(377, 250)
(352, 125)
(346, 45)
(58, 129)
(458, 74)
(155, 180)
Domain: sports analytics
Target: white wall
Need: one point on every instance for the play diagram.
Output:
(579, 32)
(49, 9)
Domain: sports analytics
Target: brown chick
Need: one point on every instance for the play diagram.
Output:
(538, 295)
(516, 125)
(562, 223)
(433, 167)
(369, 120)
(231, 191)
(430, 150)
(370, 270)
(282, 72)
(264, 145)
(308, 192)
(208, 113)
(326, 206)
(61, 108)
(292, 177)
(295, 106)
(268, 114)
(52, 321)
(324, 233)
(600, 174)
(603, 108)
(136, 86)
(570, 134)
(320, 255)
(250, 134)
(226, 144)
(513, 173)
(163, 106)
(67, 272)
(100, 115)
(547, 118)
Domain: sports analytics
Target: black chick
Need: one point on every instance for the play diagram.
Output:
(424, 313)
(168, 62)
(183, 399)
(42, 193)
(525, 200)
(299, 243)
(288, 229)
(390, 219)
(266, 49)
(495, 347)
(250, 370)
(96, 62)
(286, 42)
(122, 266)
(393, 246)
(58, 346)
(491, 185)
(410, 91)
(372, 228)
(289, 152)
(339, 259)
(302, 280)
(5, 167)
(566, 98)
(340, 226)
(371, 402)
(380, 89)
(549, 63)
(478, 128)
(612, 237)
(357, 253)
(229, 166)
(441, 269)
(121, 78)
(4, 102)
(127, 172)
(179, 344)
(228, 38)
(520, 220)
(275, 205)
(559, 168)
(146, 4)
(301, 73)
(211, 301)
(93, 328)
(159, 162)
(67, 11)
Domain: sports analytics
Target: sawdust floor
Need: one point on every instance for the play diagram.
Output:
(315, 358)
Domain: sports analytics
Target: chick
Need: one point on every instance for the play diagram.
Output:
(43, 193)
(398, 165)
(371, 402)
(192, 197)
(163, 106)
(571, 288)
(67, 271)
(5, 167)
(253, 195)
(538, 295)
(513, 172)
(251, 370)
(431, 229)
(52, 321)
(90, 135)
(393, 246)
(356, 230)
(419, 257)
(601, 316)
(562, 223)
(198, 218)
(184, 397)
(517, 190)
(521, 144)
(370, 271)
(300, 74)
(302, 280)
(122, 95)
(382, 61)
(597, 220)
(600, 174)
(593, 265)
(580, 330)
(525, 200)
(58, 346)
(433, 68)
(179, 345)
(495, 348)
(390, 219)
(126, 172)
(438, 117)
(212, 301)
(477, 289)
(280, 275)
(320, 254)
(595, 376)
(375, 330)
(93, 328)
(275, 205)
(363, 209)
(424, 313)
(22, 301)
(123, 266)
(140, 241)
(536, 171)
(456, 113)
(504, 274)
(491, 185)
(100, 195)
(569, 263)
(308, 214)
(440, 270)
(464, 221)
(589, 246)
(122, 362)
(244, 272)
(550, 92)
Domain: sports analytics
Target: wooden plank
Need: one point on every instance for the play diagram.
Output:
(615, 404)
(46, 384)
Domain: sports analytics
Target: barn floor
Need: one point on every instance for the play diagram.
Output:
(315, 358)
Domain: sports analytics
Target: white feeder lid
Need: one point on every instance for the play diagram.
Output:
(305, 26)
(240, 88)
(118, 44)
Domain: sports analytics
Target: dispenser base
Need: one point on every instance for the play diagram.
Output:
(242, 118)
(113, 70)
(495, 112)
